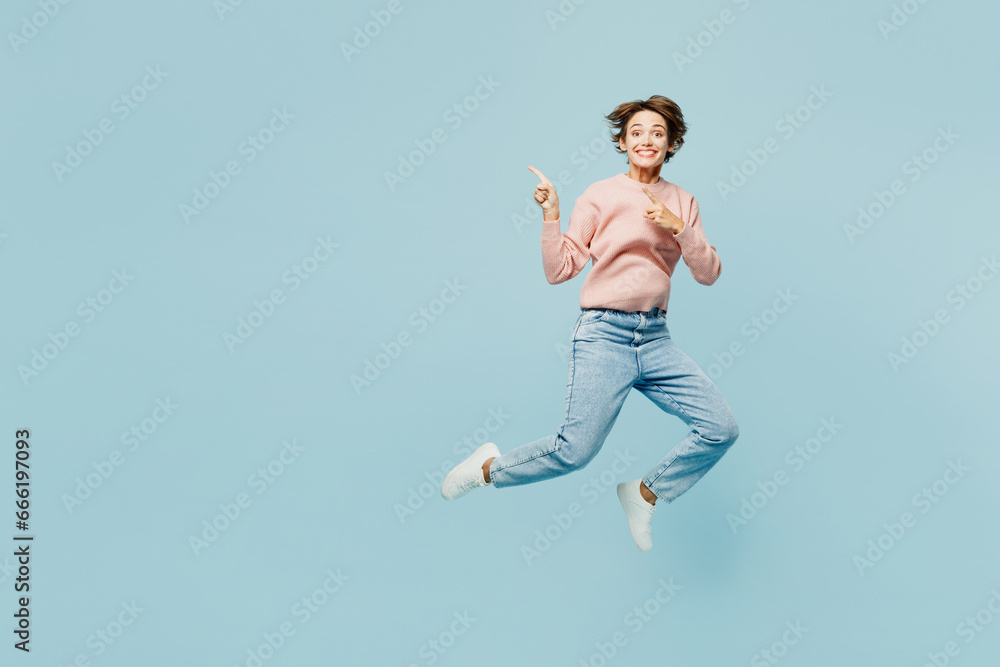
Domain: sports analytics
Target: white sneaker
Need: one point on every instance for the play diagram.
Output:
(468, 474)
(639, 513)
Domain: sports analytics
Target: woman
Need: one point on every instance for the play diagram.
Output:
(635, 227)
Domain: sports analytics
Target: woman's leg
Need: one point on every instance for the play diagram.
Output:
(680, 387)
(601, 373)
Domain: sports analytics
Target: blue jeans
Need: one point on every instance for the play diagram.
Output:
(613, 351)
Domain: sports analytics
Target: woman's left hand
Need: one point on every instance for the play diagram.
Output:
(661, 215)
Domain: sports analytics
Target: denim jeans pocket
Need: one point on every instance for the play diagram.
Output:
(592, 316)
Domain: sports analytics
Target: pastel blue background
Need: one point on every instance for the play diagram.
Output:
(501, 344)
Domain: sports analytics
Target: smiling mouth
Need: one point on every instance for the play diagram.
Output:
(646, 153)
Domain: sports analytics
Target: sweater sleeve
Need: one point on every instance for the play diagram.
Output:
(565, 255)
(698, 253)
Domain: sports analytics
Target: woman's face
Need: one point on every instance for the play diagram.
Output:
(645, 139)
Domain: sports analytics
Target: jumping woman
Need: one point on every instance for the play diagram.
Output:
(635, 227)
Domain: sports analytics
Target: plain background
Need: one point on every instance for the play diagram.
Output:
(360, 496)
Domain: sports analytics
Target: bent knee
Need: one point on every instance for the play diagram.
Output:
(734, 431)
(574, 456)
(723, 433)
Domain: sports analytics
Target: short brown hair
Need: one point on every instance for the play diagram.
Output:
(666, 107)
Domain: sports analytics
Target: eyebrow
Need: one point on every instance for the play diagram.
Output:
(640, 125)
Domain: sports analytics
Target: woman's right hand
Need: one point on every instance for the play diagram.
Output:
(545, 195)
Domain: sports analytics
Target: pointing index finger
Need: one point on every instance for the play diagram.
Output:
(540, 175)
(650, 195)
